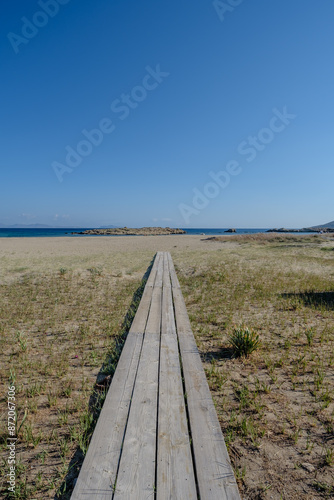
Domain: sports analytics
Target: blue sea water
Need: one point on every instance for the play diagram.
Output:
(54, 232)
(215, 231)
(37, 232)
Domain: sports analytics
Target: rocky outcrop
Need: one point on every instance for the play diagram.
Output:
(304, 230)
(327, 226)
(125, 231)
(230, 231)
(284, 230)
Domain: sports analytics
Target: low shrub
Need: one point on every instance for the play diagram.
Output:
(244, 341)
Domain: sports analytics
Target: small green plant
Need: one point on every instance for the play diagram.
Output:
(85, 425)
(309, 445)
(309, 335)
(243, 395)
(244, 341)
(319, 378)
(52, 398)
(295, 435)
(240, 473)
(67, 389)
(216, 378)
(34, 390)
(62, 271)
(64, 446)
(95, 271)
(22, 341)
(323, 487)
(63, 416)
(12, 377)
(18, 427)
(42, 455)
(329, 456)
(29, 437)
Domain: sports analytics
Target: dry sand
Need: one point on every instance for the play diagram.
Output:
(285, 448)
(87, 245)
(123, 254)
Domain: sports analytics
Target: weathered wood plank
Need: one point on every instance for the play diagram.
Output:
(136, 475)
(152, 276)
(139, 322)
(215, 477)
(98, 472)
(175, 472)
(173, 276)
(160, 269)
(166, 274)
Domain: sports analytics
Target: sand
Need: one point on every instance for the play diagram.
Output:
(86, 245)
(123, 254)
(276, 408)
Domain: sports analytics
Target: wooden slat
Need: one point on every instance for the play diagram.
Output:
(173, 277)
(215, 477)
(140, 320)
(175, 472)
(152, 276)
(160, 268)
(98, 472)
(136, 475)
(166, 274)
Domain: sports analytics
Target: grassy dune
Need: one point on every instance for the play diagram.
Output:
(63, 321)
(61, 333)
(276, 407)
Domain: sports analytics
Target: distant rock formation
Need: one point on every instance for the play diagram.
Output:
(125, 231)
(284, 230)
(320, 229)
(230, 231)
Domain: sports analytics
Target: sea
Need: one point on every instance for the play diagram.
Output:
(58, 232)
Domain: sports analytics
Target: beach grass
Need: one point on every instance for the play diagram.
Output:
(64, 320)
(61, 334)
(276, 406)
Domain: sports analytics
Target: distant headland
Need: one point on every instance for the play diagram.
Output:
(323, 228)
(126, 231)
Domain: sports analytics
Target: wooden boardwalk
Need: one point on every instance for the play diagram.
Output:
(158, 435)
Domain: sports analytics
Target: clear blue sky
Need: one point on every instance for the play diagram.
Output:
(223, 72)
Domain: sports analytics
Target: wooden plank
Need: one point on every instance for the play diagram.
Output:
(173, 277)
(166, 275)
(175, 473)
(139, 322)
(98, 472)
(159, 276)
(136, 475)
(151, 278)
(215, 477)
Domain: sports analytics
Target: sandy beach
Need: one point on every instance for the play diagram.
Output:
(66, 305)
(121, 254)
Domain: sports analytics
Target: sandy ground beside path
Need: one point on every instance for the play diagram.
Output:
(86, 245)
(65, 308)
(123, 255)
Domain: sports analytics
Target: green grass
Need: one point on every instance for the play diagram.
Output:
(60, 332)
(244, 341)
(279, 400)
